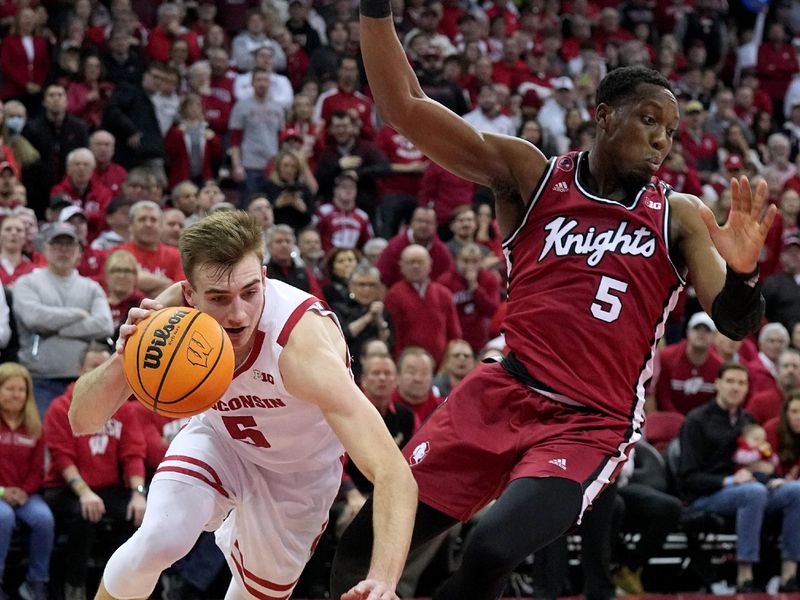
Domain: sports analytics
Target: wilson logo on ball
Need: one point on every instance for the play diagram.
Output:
(153, 354)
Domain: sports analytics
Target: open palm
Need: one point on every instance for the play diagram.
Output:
(740, 239)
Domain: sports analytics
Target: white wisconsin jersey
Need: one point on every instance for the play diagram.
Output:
(263, 422)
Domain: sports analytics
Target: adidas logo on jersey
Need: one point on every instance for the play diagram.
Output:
(561, 187)
(561, 463)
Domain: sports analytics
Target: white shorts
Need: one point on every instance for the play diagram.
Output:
(267, 524)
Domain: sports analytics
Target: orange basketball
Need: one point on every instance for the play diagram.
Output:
(179, 361)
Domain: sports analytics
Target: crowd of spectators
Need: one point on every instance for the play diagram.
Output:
(124, 121)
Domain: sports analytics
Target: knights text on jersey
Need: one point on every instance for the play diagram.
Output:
(264, 423)
(590, 286)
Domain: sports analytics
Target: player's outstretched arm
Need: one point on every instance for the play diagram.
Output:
(723, 260)
(313, 368)
(485, 158)
(99, 393)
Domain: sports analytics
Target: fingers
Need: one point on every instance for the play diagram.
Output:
(759, 199)
(745, 195)
(769, 217)
(150, 304)
(736, 201)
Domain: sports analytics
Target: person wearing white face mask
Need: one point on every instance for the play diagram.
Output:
(14, 115)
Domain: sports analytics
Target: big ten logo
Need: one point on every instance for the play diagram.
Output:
(161, 337)
(262, 376)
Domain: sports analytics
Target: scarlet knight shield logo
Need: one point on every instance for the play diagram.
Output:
(419, 453)
(198, 350)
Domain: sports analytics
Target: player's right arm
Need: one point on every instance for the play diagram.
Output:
(99, 393)
(497, 161)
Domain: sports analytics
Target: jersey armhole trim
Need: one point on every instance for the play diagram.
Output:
(667, 220)
(293, 319)
(537, 191)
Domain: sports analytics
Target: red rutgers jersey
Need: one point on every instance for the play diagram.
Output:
(590, 286)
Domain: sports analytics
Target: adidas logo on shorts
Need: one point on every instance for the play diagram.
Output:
(561, 463)
(560, 187)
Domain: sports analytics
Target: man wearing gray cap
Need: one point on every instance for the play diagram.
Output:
(58, 312)
(685, 371)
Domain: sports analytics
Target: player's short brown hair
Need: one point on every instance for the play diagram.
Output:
(222, 240)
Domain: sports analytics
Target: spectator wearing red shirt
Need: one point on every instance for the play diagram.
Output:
(678, 174)
(340, 223)
(215, 111)
(24, 60)
(221, 87)
(21, 473)
(699, 147)
(445, 192)
(777, 64)
(423, 311)
(609, 30)
(192, 148)
(399, 190)
(766, 405)
(13, 262)
(686, 371)
(476, 292)
(106, 172)
(421, 231)
(120, 273)
(346, 97)
(415, 384)
(92, 477)
(159, 264)
(164, 34)
(87, 97)
(511, 68)
(773, 339)
(91, 195)
(507, 10)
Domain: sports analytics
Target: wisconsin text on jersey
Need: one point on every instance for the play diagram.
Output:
(247, 401)
(561, 240)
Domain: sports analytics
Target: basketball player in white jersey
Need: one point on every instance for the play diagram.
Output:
(261, 466)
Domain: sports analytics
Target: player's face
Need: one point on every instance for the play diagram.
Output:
(639, 134)
(235, 298)
(732, 388)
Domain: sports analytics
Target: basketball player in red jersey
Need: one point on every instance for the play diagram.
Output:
(597, 251)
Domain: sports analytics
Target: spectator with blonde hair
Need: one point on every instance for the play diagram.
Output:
(21, 474)
(458, 361)
(121, 273)
(292, 186)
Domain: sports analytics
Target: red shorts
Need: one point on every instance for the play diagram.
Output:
(493, 429)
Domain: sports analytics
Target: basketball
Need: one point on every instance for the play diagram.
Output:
(179, 361)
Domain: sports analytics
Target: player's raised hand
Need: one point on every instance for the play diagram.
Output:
(740, 239)
(135, 316)
(370, 589)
